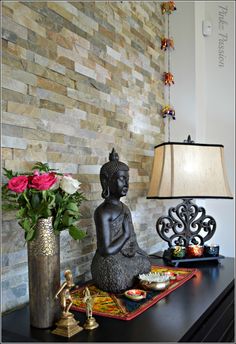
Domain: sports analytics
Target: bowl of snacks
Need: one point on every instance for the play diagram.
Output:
(154, 281)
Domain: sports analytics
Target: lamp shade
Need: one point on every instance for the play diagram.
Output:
(182, 170)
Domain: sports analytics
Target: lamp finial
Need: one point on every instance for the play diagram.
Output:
(189, 140)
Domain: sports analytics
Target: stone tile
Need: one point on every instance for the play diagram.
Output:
(54, 97)
(22, 76)
(59, 8)
(13, 142)
(55, 137)
(43, 61)
(14, 85)
(21, 10)
(51, 85)
(89, 169)
(76, 113)
(59, 39)
(113, 53)
(6, 153)
(24, 109)
(66, 62)
(35, 152)
(7, 12)
(10, 25)
(12, 130)
(65, 168)
(85, 70)
(29, 23)
(46, 104)
(33, 134)
(8, 36)
(75, 38)
(47, 73)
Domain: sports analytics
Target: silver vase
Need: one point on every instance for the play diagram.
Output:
(44, 275)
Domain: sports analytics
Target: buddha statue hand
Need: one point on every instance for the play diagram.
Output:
(129, 249)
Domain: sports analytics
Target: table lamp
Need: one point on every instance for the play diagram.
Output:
(188, 170)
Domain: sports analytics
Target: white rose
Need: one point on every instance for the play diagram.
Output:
(69, 184)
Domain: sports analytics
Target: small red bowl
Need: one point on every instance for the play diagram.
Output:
(194, 251)
(136, 294)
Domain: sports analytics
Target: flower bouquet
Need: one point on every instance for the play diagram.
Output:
(44, 193)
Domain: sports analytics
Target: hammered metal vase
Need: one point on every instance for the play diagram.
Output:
(44, 275)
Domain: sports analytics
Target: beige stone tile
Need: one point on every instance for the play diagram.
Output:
(58, 8)
(18, 165)
(51, 85)
(14, 85)
(6, 153)
(10, 25)
(19, 120)
(36, 134)
(24, 109)
(29, 23)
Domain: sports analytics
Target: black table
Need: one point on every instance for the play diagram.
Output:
(200, 310)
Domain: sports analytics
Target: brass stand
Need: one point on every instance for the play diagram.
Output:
(90, 324)
(67, 326)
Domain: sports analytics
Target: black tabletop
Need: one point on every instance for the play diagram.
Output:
(170, 320)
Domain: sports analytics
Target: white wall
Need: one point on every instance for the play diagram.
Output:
(220, 112)
(183, 68)
(203, 95)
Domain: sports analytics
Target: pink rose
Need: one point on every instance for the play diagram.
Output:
(18, 184)
(43, 181)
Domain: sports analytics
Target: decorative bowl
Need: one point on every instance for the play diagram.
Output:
(135, 294)
(154, 281)
(178, 252)
(194, 251)
(211, 250)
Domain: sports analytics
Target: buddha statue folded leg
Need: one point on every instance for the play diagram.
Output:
(115, 273)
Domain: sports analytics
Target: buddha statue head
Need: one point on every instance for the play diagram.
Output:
(114, 177)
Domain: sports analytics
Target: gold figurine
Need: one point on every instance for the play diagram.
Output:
(64, 293)
(67, 326)
(90, 323)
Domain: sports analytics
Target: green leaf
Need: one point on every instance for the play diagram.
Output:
(67, 220)
(72, 213)
(58, 198)
(76, 233)
(9, 173)
(41, 167)
(51, 200)
(25, 224)
(35, 200)
(46, 213)
(72, 206)
(20, 213)
(57, 221)
(30, 235)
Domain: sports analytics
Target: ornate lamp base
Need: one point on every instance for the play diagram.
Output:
(90, 324)
(186, 224)
(67, 326)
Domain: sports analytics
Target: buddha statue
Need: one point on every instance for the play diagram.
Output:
(118, 258)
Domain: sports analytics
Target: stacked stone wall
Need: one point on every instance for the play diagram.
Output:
(79, 78)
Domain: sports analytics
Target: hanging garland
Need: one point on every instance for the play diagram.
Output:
(167, 44)
(168, 7)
